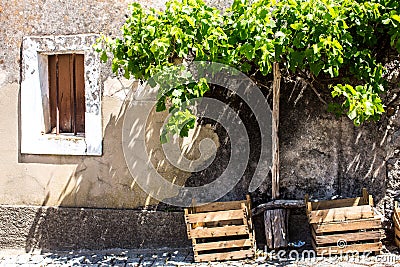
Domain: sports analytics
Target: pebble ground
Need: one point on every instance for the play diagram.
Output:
(182, 257)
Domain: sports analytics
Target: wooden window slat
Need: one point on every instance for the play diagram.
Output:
(64, 93)
(72, 102)
(67, 93)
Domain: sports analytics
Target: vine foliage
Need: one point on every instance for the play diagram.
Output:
(335, 40)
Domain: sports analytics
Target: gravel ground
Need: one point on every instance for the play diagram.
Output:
(184, 257)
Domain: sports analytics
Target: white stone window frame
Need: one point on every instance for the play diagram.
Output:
(35, 109)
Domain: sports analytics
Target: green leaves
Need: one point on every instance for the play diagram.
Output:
(316, 67)
(361, 103)
(179, 123)
(104, 57)
(159, 47)
(336, 38)
(248, 51)
(396, 17)
(296, 26)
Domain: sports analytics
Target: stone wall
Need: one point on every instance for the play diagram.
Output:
(49, 228)
(392, 135)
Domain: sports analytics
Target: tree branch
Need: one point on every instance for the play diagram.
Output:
(316, 92)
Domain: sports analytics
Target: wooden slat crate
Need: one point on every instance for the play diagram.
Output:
(345, 225)
(221, 231)
(396, 222)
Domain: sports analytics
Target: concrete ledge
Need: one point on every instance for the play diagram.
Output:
(57, 229)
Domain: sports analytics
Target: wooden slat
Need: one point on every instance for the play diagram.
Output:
(249, 213)
(349, 237)
(223, 244)
(366, 199)
(246, 214)
(341, 214)
(374, 223)
(233, 255)
(52, 91)
(397, 231)
(396, 218)
(64, 93)
(397, 241)
(215, 216)
(397, 212)
(365, 195)
(371, 201)
(194, 242)
(188, 225)
(337, 203)
(219, 231)
(218, 206)
(396, 223)
(224, 223)
(250, 224)
(397, 236)
(80, 93)
(248, 201)
(332, 250)
(308, 204)
(72, 103)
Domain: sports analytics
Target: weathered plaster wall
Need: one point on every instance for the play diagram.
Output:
(47, 179)
(324, 156)
(53, 17)
(69, 180)
(320, 155)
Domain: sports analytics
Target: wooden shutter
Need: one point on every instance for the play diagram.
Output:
(67, 93)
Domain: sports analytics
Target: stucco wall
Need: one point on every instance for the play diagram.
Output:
(78, 181)
(49, 180)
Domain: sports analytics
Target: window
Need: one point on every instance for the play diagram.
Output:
(61, 96)
(67, 93)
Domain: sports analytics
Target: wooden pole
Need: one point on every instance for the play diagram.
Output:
(276, 223)
(275, 126)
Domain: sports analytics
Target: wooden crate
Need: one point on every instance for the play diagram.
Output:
(345, 225)
(396, 222)
(221, 231)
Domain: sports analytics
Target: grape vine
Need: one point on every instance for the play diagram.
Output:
(312, 39)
